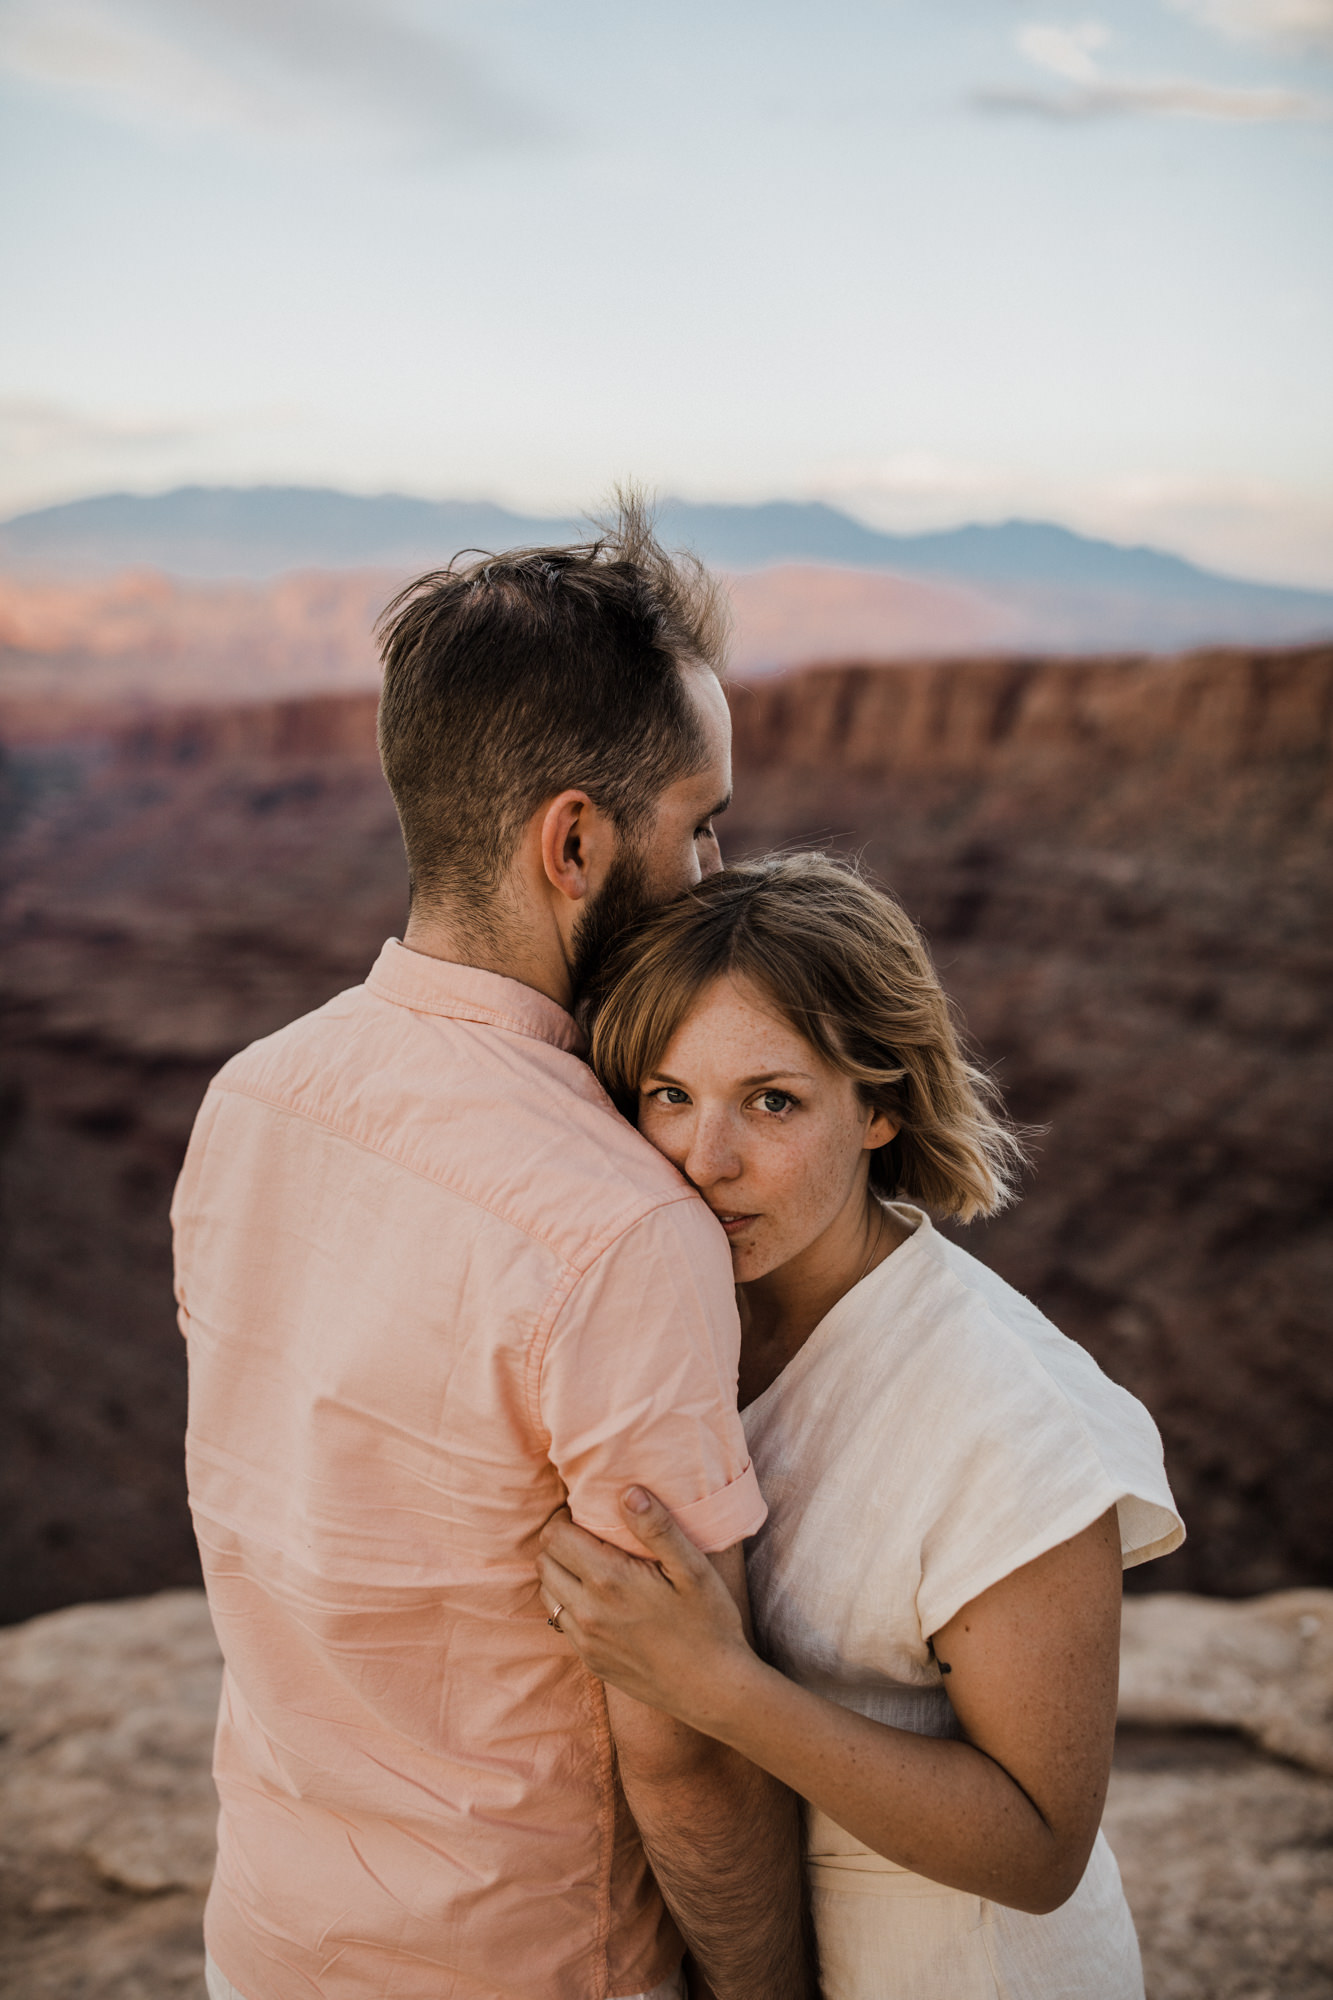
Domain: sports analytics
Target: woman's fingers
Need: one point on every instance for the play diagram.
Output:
(557, 1581)
(654, 1626)
(664, 1542)
(558, 1591)
(582, 1554)
(601, 1564)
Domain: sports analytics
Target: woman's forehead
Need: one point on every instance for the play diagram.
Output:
(733, 1022)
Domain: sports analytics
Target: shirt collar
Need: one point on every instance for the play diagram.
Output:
(466, 993)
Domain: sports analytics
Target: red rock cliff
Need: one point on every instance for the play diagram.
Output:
(1123, 869)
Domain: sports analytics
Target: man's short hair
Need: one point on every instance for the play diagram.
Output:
(512, 678)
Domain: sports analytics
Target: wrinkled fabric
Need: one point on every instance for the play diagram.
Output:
(219, 1987)
(886, 1934)
(433, 1288)
(934, 1434)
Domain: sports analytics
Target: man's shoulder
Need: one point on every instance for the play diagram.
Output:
(269, 1058)
(503, 1119)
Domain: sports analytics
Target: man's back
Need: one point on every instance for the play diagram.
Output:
(432, 1284)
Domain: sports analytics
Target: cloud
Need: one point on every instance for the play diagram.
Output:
(1271, 529)
(1071, 52)
(331, 72)
(51, 447)
(1067, 51)
(911, 486)
(31, 428)
(52, 450)
(1178, 99)
(1300, 24)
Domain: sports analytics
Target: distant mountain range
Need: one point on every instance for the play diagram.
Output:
(1015, 584)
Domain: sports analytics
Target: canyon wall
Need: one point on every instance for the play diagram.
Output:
(141, 637)
(1123, 869)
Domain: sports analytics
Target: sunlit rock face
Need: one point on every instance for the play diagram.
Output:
(107, 1806)
(1122, 867)
(1263, 1668)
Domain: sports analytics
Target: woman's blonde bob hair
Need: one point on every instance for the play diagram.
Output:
(842, 962)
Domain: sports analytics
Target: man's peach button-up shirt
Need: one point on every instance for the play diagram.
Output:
(433, 1286)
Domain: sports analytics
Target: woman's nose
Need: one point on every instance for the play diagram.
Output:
(712, 1154)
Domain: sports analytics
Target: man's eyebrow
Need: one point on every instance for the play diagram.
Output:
(713, 811)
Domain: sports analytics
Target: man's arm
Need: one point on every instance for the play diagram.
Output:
(724, 1841)
(1008, 1810)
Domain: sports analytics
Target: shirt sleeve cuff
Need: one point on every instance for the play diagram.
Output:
(726, 1517)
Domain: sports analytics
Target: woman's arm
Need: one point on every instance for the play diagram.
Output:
(1011, 1813)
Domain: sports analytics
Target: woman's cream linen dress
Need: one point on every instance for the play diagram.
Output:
(934, 1434)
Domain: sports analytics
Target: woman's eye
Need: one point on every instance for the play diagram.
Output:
(776, 1100)
(669, 1093)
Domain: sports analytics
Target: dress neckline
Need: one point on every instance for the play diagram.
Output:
(918, 1223)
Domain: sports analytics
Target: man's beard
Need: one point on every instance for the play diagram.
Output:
(621, 898)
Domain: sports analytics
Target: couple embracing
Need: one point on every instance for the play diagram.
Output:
(550, 1673)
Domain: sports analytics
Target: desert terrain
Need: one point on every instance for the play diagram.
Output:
(140, 638)
(107, 1807)
(1122, 867)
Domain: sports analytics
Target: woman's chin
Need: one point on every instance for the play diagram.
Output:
(748, 1262)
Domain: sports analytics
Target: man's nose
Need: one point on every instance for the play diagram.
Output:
(710, 858)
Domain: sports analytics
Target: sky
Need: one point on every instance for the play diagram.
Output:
(928, 260)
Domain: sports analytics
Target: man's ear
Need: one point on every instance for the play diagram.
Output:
(564, 842)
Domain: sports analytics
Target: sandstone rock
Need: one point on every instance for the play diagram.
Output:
(107, 1807)
(107, 1803)
(108, 1712)
(1264, 1668)
(1227, 1861)
(144, 637)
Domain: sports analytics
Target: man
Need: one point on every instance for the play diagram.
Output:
(434, 1289)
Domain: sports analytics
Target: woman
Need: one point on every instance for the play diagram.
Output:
(953, 1486)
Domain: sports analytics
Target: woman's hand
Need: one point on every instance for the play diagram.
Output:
(663, 1630)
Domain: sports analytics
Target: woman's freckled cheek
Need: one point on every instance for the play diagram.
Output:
(793, 1170)
(796, 1178)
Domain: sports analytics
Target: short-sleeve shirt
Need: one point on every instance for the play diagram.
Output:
(934, 1433)
(433, 1288)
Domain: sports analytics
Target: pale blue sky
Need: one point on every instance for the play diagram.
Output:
(937, 261)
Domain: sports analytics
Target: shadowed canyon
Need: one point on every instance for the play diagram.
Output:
(1122, 865)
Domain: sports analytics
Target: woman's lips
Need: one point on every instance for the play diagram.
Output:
(733, 1224)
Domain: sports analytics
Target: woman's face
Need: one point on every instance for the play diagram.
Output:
(776, 1140)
